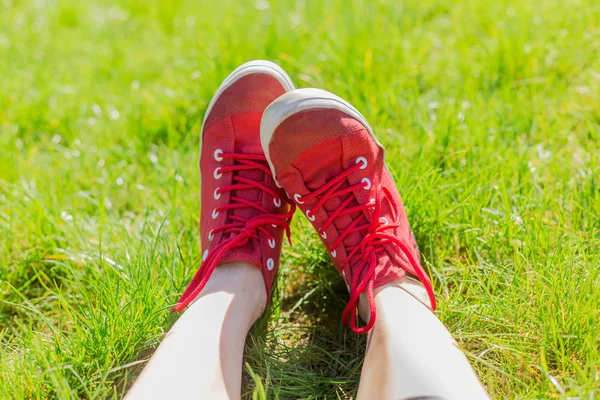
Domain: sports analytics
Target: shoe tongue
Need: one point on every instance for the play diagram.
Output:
(317, 174)
(247, 142)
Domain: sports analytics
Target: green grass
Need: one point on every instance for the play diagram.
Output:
(489, 110)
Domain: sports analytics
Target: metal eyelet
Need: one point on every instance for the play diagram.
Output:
(363, 161)
(210, 236)
(277, 202)
(204, 255)
(308, 216)
(270, 264)
(367, 182)
(272, 243)
(333, 253)
(215, 214)
(217, 195)
(383, 220)
(217, 174)
(324, 235)
(217, 154)
(297, 199)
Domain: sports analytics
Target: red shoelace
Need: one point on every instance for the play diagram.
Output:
(241, 229)
(362, 257)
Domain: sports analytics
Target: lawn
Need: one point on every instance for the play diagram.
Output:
(490, 113)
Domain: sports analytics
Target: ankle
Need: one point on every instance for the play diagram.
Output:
(242, 286)
(383, 298)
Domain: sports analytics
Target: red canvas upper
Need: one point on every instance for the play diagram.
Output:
(244, 214)
(330, 164)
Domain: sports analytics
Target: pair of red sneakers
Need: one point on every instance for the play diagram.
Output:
(267, 148)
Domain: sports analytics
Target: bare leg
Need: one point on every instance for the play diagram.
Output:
(201, 356)
(411, 354)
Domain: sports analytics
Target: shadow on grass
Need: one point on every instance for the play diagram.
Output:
(299, 348)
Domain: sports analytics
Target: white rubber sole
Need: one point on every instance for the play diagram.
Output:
(301, 100)
(251, 67)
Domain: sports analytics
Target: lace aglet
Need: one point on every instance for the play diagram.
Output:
(177, 308)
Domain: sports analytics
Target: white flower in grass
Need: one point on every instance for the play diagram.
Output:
(66, 216)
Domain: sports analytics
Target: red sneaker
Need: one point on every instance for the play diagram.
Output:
(324, 154)
(244, 214)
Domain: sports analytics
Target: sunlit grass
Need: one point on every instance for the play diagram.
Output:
(490, 113)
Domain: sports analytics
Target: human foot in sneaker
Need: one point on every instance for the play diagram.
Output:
(244, 214)
(324, 154)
